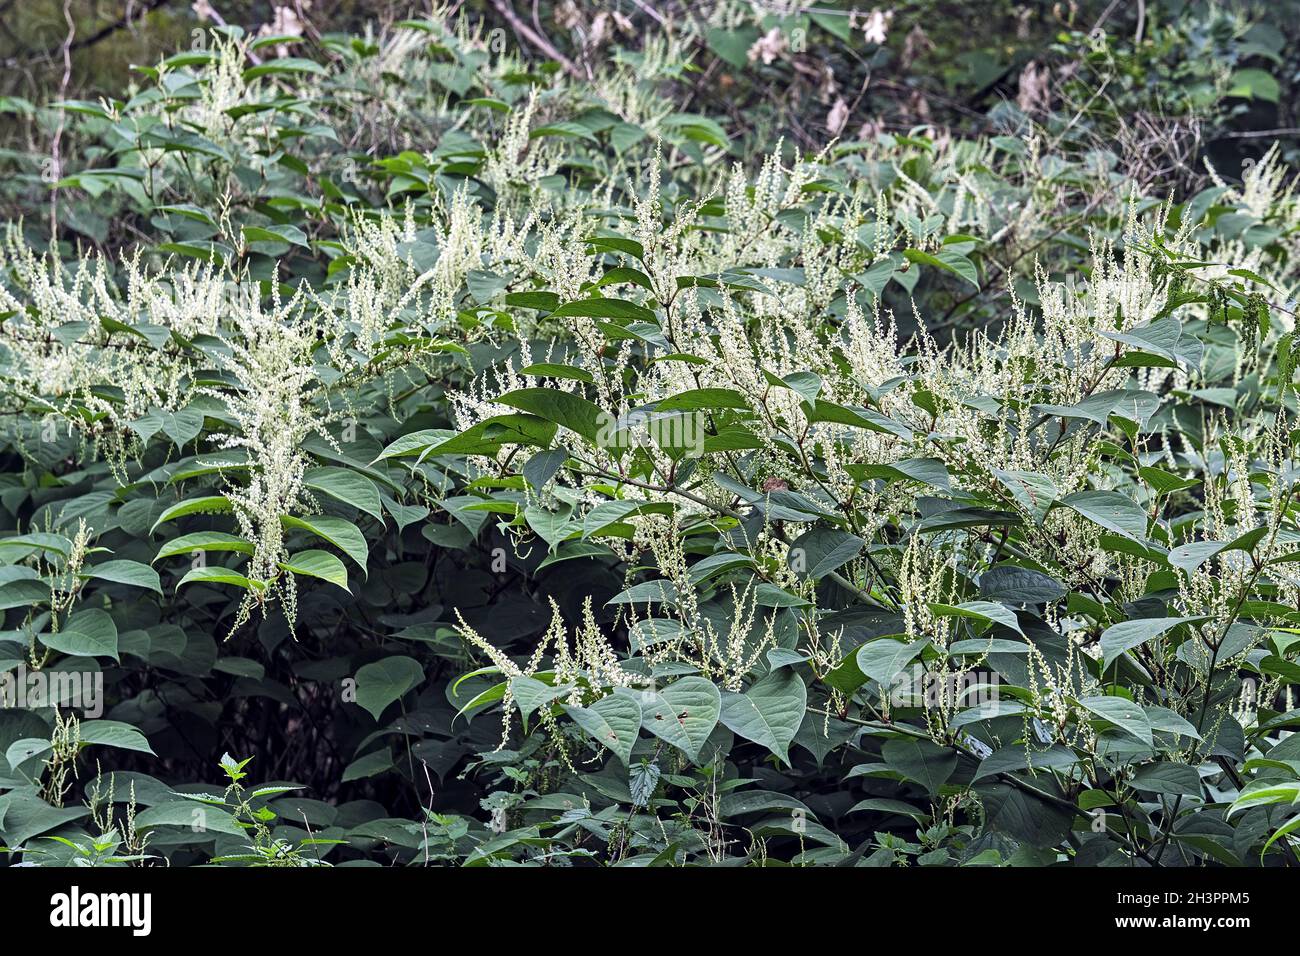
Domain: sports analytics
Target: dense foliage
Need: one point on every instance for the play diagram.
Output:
(418, 453)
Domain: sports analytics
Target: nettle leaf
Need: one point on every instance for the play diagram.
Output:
(613, 722)
(642, 782)
(770, 712)
(382, 682)
(683, 714)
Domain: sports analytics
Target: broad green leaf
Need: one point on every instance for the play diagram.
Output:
(980, 611)
(613, 722)
(1122, 713)
(884, 659)
(121, 571)
(190, 815)
(211, 504)
(920, 760)
(187, 544)
(563, 408)
(819, 551)
(89, 633)
(219, 575)
(770, 712)
(318, 564)
(382, 682)
(1112, 510)
(347, 486)
(1118, 638)
(341, 533)
(113, 733)
(684, 713)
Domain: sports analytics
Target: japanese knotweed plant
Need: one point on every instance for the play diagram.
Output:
(917, 498)
(1091, 503)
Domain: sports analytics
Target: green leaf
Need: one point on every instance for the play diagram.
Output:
(604, 309)
(1122, 713)
(341, 533)
(948, 260)
(1170, 779)
(382, 682)
(113, 733)
(703, 399)
(126, 572)
(563, 408)
(285, 65)
(980, 611)
(89, 633)
(199, 818)
(346, 486)
(884, 659)
(1266, 793)
(922, 761)
(770, 712)
(684, 713)
(819, 551)
(613, 722)
(219, 575)
(368, 765)
(26, 815)
(187, 544)
(1190, 556)
(1255, 84)
(1118, 638)
(1112, 510)
(532, 695)
(24, 749)
(1016, 585)
(318, 564)
(211, 504)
